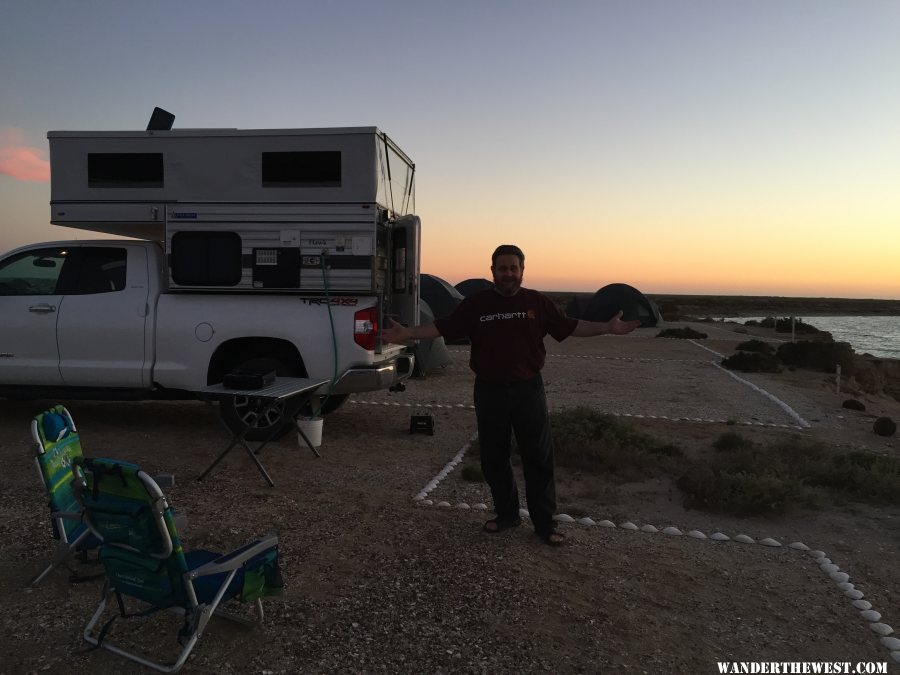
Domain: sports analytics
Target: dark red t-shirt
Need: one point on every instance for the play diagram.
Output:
(507, 333)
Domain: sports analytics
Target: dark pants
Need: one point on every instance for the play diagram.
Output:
(520, 407)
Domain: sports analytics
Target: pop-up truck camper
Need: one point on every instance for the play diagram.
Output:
(248, 249)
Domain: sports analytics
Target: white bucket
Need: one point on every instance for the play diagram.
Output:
(312, 427)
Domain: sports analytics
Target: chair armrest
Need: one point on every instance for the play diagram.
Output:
(236, 558)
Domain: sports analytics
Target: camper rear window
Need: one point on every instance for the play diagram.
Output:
(301, 169)
(125, 170)
(206, 258)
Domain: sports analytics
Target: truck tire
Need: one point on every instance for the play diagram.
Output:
(237, 412)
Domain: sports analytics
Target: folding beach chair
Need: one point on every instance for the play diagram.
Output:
(56, 446)
(144, 561)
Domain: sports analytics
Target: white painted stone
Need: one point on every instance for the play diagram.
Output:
(523, 513)
(824, 561)
(829, 568)
(628, 526)
(891, 643)
(563, 518)
(846, 586)
(427, 502)
(606, 523)
(444, 505)
(817, 554)
(870, 615)
(768, 541)
(673, 531)
(839, 576)
(696, 534)
(881, 628)
(463, 506)
(586, 521)
(854, 594)
(718, 536)
(896, 656)
(479, 507)
(419, 497)
(744, 539)
(863, 604)
(648, 528)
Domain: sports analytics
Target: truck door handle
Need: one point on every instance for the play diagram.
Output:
(42, 309)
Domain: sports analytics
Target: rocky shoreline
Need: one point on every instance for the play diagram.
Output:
(749, 305)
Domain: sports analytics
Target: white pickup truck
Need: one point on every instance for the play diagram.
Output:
(294, 270)
(90, 319)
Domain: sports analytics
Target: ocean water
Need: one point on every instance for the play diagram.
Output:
(875, 335)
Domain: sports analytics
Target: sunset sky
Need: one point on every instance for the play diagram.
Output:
(680, 146)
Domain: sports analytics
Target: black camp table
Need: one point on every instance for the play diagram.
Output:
(262, 401)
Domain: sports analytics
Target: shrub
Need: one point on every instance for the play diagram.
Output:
(884, 426)
(683, 333)
(756, 346)
(752, 362)
(732, 440)
(783, 325)
(752, 322)
(823, 356)
(864, 476)
(853, 404)
(588, 440)
(768, 322)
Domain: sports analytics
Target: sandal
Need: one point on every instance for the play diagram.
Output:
(552, 537)
(496, 525)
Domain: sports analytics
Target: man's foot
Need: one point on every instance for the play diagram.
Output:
(496, 525)
(552, 537)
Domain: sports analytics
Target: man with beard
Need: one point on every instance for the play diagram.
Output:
(506, 325)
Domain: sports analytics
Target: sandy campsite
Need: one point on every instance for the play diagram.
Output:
(387, 569)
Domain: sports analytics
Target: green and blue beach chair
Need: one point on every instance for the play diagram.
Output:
(142, 555)
(56, 446)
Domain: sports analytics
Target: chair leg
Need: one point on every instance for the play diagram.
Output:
(63, 551)
(131, 656)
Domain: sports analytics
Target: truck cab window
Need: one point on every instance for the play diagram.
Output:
(34, 272)
(102, 270)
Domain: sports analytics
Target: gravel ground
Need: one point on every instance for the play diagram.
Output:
(377, 582)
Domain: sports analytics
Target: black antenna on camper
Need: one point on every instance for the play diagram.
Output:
(160, 120)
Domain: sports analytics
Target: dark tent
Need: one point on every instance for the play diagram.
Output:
(612, 299)
(441, 297)
(473, 286)
(429, 354)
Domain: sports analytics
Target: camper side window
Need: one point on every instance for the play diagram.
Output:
(301, 169)
(125, 170)
(206, 259)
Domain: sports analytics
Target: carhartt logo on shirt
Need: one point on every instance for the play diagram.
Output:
(506, 315)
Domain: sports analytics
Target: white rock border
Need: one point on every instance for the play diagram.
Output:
(819, 557)
(777, 401)
(468, 406)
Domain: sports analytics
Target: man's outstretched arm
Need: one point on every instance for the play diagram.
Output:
(614, 326)
(398, 333)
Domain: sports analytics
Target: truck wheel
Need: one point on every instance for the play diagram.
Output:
(237, 412)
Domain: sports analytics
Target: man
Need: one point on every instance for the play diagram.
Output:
(506, 325)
